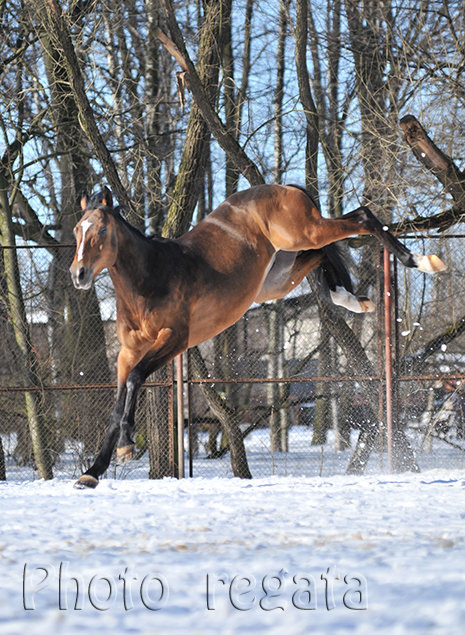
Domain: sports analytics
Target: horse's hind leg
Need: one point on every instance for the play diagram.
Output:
(337, 278)
(367, 221)
(306, 229)
(287, 272)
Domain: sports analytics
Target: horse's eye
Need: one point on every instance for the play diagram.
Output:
(102, 230)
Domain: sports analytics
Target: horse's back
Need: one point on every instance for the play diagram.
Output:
(234, 248)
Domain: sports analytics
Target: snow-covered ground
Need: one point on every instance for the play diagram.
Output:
(278, 554)
(302, 459)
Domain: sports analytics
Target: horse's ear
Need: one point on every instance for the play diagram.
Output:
(107, 198)
(84, 201)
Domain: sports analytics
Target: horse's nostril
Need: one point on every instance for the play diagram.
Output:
(81, 274)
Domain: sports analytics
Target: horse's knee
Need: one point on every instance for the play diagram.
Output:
(134, 380)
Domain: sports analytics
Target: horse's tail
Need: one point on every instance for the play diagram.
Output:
(334, 274)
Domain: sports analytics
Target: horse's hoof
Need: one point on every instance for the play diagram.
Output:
(341, 297)
(366, 305)
(124, 454)
(429, 264)
(86, 482)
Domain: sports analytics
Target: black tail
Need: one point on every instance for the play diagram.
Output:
(334, 277)
(334, 270)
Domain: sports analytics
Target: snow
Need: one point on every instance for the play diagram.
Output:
(294, 554)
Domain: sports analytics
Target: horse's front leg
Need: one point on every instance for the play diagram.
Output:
(162, 352)
(133, 369)
(127, 359)
(125, 445)
(90, 478)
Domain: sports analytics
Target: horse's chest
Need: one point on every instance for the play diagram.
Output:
(136, 329)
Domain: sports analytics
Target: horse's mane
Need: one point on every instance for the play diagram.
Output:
(117, 213)
(95, 201)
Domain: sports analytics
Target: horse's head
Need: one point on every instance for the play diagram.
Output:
(95, 239)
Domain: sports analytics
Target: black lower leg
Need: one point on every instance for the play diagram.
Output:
(103, 458)
(122, 419)
(125, 442)
(368, 220)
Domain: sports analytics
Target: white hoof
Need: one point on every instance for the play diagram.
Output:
(429, 264)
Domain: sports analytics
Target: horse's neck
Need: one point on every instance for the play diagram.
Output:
(132, 253)
(135, 258)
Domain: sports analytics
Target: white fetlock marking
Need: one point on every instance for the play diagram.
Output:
(342, 297)
(429, 264)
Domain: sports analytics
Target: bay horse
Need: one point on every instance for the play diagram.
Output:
(171, 295)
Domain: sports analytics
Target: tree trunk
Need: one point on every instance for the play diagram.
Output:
(2, 462)
(157, 430)
(321, 418)
(239, 462)
(159, 145)
(190, 174)
(278, 434)
(77, 340)
(227, 141)
(55, 26)
(360, 365)
(306, 98)
(29, 363)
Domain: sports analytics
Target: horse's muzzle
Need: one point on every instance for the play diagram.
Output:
(81, 276)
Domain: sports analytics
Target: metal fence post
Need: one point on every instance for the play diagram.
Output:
(180, 409)
(388, 355)
(190, 427)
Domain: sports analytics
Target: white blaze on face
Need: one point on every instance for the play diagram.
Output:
(84, 227)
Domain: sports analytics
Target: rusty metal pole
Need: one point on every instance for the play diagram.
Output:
(180, 408)
(396, 369)
(190, 427)
(388, 354)
(380, 342)
(171, 424)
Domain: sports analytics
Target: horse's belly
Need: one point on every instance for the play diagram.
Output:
(212, 315)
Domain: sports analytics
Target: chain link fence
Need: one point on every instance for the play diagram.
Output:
(296, 387)
(429, 366)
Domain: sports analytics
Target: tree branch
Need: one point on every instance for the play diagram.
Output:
(416, 363)
(227, 142)
(56, 24)
(441, 221)
(434, 159)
